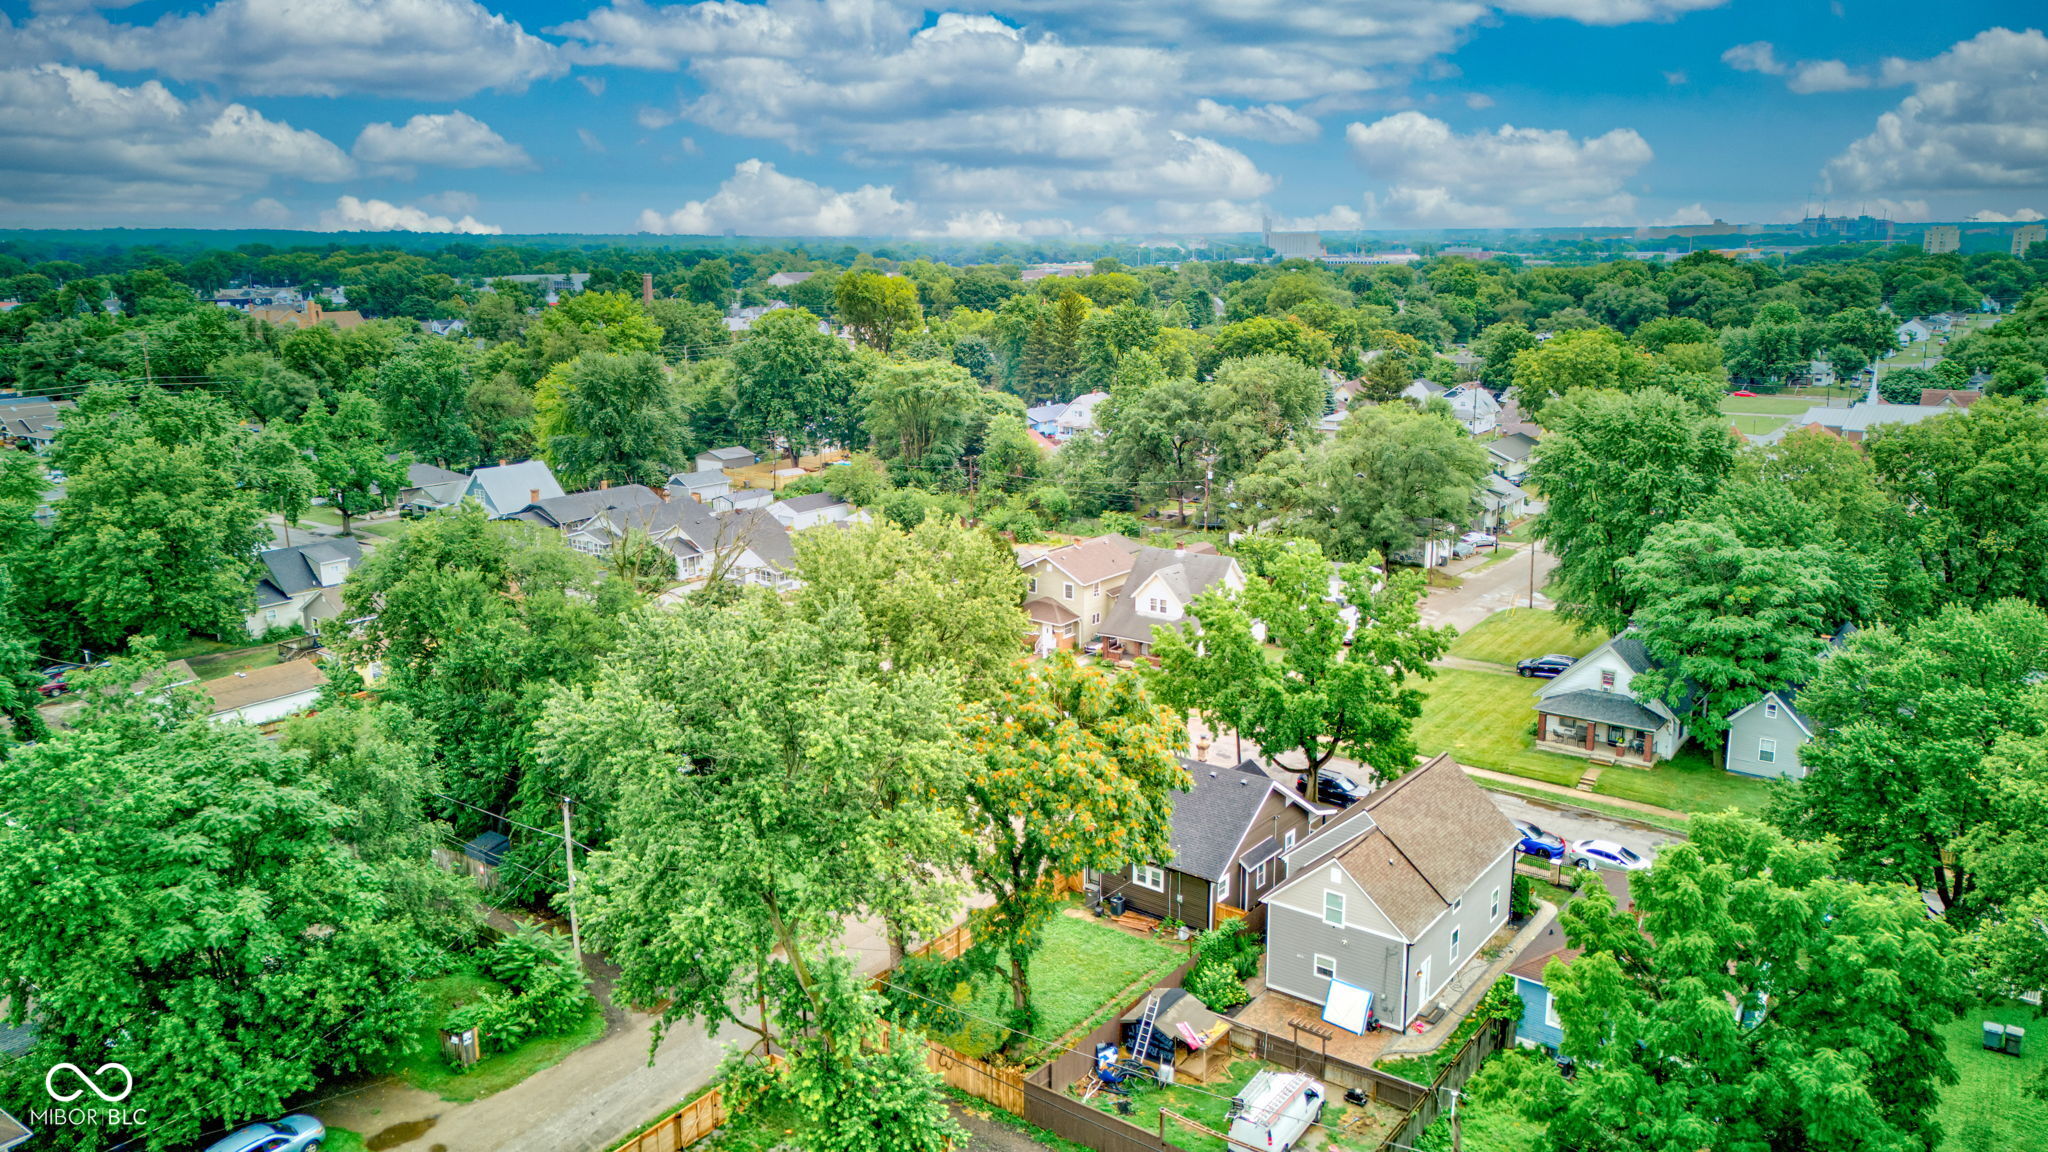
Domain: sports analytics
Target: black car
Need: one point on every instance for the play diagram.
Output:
(1545, 666)
(412, 510)
(1336, 788)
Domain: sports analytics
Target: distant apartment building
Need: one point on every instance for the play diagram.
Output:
(1942, 238)
(2025, 235)
(1295, 245)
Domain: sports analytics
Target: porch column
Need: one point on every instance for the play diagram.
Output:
(1589, 736)
(1542, 725)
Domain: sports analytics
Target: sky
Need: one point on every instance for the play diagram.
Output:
(1014, 118)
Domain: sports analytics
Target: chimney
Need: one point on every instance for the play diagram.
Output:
(503, 461)
(647, 287)
(533, 496)
(603, 484)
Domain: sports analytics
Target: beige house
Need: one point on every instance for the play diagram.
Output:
(1070, 590)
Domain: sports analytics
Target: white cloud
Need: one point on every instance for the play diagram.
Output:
(73, 142)
(426, 49)
(451, 202)
(590, 140)
(1694, 213)
(1675, 77)
(1479, 101)
(453, 140)
(1438, 176)
(653, 119)
(2017, 216)
(269, 210)
(757, 200)
(1608, 11)
(1756, 56)
(1973, 121)
(352, 215)
(592, 84)
(1810, 76)
(1275, 123)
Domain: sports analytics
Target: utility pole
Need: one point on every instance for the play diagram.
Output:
(1208, 483)
(569, 858)
(1533, 545)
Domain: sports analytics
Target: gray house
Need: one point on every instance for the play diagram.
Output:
(702, 486)
(432, 485)
(1511, 456)
(1228, 831)
(717, 458)
(574, 510)
(506, 488)
(1766, 738)
(301, 586)
(1394, 896)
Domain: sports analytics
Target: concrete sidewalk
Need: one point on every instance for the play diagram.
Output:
(1476, 981)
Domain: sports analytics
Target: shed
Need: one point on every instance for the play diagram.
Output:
(1181, 1016)
(482, 856)
(731, 457)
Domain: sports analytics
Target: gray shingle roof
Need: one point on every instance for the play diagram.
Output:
(707, 478)
(1210, 818)
(1187, 573)
(510, 487)
(290, 571)
(742, 455)
(1512, 447)
(1602, 708)
(578, 507)
(810, 502)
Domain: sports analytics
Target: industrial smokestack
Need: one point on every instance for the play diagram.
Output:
(647, 287)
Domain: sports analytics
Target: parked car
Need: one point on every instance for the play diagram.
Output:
(1481, 539)
(1545, 666)
(1335, 788)
(1745, 392)
(49, 689)
(1462, 548)
(1590, 854)
(1275, 1110)
(1537, 842)
(292, 1134)
(414, 510)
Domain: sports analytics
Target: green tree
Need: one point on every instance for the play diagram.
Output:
(1323, 698)
(1903, 385)
(689, 331)
(1072, 769)
(1585, 359)
(210, 931)
(879, 308)
(745, 740)
(919, 412)
(793, 384)
(1497, 348)
(1274, 336)
(1614, 467)
(709, 283)
(1763, 1002)
(1010, 459)
(622, 421)
(424, 392)
(939, 596)
(352, 458)
(1258, 404)
(1156, 438)
(1904, 721)
(1974, 490)
(1389, 476)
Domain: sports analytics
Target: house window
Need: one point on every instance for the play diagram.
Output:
(1223, 887)
(1034, 585)
(1287, 841)
(1770, 709)
(1455, 933)
(1493, 913)
(1095, 618)
(1457, 904)
(1149, 876)
(1767, 751)
(1258, 877)
(1326, 967)
(1333, 908)
(1607, 677)
(1155, 606)
(1550, 1019)
(1067, 591)
(271, 615)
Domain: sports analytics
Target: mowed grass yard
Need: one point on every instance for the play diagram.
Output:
(1080, 973)
(1488, 720)
(1987, 1111)
(1209, 1106)
(1520, 633)
(1688, 782)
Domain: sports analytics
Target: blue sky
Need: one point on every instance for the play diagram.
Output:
(1014, 117)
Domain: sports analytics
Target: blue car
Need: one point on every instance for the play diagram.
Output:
(291, 1134)
(1537, 842)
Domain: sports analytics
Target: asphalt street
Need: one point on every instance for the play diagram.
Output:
(1577, 824)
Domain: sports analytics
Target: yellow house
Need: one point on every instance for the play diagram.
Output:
(1071, 589)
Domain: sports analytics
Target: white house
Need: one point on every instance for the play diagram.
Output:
(732, 457)
(811, 510)
(1395, 896)
(703, 486)
(1591, 709)
(1913, 330)
(266, 695)
(1161, 585)
(1079, 414)
(1475, 408)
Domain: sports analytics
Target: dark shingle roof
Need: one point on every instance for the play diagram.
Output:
(290, 571)
(1514, 446)
(578, 507)
(1187, 573)
(1210, 818)
(1603, 708)
(810, 502)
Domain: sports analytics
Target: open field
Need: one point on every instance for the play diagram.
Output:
(1688, 783)
(1987, 1108)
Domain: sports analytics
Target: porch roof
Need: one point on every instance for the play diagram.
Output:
(1602, 708)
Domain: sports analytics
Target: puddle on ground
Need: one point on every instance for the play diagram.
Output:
(404, 1133)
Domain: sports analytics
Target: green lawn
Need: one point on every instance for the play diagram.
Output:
(228, 663)
(1751, 425)
(1770, 405)
(1520, 633)
(421, 1065)
(1209, 1104)
(342, 1140)
(1487, 1121)
(1487, 720)
(196, 646)
(1078, 975)
(1585, 800)
(1987, 1111)
(1688, 783)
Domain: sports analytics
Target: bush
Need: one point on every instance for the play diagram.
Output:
(1216, 986)
(1521, 898)
(544, 991)
(1232, 947)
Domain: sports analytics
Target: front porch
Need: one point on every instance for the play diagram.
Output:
(1600, 742)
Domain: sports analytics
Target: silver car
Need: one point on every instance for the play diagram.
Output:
(291, 1134)
(1604, 854)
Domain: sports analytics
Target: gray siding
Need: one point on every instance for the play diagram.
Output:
(1294, 939)
(1751, 726)
(1473, 925)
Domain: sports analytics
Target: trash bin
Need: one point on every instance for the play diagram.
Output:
(1116, 908)
(1994, 1036)
(2015, 1039)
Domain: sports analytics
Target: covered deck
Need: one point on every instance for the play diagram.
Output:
(1602, 726)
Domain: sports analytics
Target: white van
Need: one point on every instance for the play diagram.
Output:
(1274, 1111)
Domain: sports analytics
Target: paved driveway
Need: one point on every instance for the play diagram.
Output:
(1489, 590)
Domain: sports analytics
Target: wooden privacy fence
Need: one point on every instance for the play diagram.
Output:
(1069, 1119)
(683, 1127)
(1002, 1087)
(1491, 1038)
(1379, 1087)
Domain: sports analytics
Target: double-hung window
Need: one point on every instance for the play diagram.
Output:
(1149, 876)
(1333, 908)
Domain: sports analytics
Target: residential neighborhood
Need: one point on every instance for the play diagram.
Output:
(1297, 691)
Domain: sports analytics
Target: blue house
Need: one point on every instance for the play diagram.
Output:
(1539, 1025)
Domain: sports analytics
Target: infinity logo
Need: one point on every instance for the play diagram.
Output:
(49, 1083)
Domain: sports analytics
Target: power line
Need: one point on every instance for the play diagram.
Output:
(511, 821)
